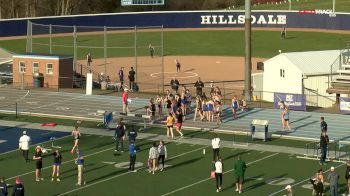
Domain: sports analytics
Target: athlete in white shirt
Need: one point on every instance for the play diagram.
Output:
(215, 143)
(24, 141)
(218, 174)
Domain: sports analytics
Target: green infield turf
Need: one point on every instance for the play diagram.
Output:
(187, 171)
(207, 43)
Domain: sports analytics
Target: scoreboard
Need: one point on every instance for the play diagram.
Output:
(141, 2)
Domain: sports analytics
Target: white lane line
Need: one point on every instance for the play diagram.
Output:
(300, 182)
(22, 97)
(198, 182)
(116, 176)
(55, 103)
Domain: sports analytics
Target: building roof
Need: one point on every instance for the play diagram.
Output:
(311, 62)
(5, 56)
(42, 56)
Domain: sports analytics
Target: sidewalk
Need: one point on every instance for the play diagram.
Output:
(155, 137)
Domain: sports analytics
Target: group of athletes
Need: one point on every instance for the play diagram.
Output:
(38, 156)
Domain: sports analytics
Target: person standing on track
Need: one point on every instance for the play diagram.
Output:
(159, 101)
(198, 111)
(199, 85)
(211, 109)
(324, 125)
(151, 110)
(324, 140)
(132, 153)
(163, 154)
(234, 106)
(286, 118)
(76, 136)
(38, 164)
(57, 159)
(3, 187)
(183, 102)
(240, 168)
(24, 141)
(218, 112)
(18, 188)
(121, 78)
(218, 174)
(131, 77)
(179, 118)
(174, 83)
(205, 109)
(125, 98)
(215, 143)
(282, 108)
(169, 125)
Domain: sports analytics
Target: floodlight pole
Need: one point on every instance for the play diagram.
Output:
(248, 57)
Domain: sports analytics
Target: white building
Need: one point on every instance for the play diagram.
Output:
(301, 72)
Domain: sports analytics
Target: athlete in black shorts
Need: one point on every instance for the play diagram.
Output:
(38, 163)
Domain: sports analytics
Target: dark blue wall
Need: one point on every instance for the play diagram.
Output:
(180, 20)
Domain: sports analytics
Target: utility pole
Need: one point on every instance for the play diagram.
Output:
(248, 50)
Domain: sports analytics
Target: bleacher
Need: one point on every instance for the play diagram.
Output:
(340, 76)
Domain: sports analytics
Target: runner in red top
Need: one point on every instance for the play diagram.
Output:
(125, 101)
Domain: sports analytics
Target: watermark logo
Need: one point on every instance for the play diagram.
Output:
(319, 11)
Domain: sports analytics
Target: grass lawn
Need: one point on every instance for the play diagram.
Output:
(207, 43)
(187, 172)
(340, 6)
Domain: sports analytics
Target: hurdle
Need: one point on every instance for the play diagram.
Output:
(334, 153)
(342, 153)
(144, 118)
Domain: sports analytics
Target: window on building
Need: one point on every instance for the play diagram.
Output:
(49, 68)
(22, 67)
(282, 73)
(35, 67)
